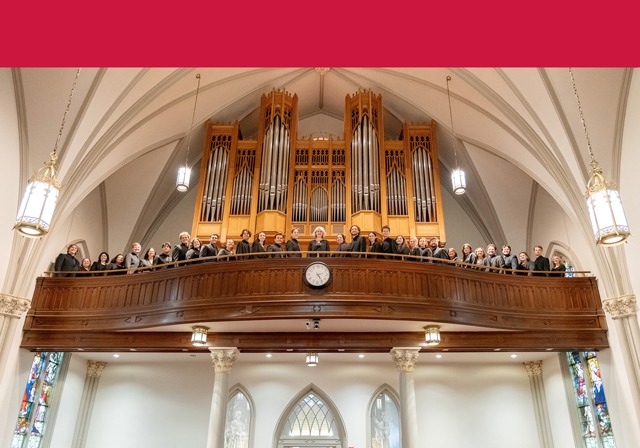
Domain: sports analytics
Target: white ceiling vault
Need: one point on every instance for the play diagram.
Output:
(519, 133)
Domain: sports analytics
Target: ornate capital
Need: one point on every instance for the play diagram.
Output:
(223, 358)
(322, 70)
(533, 368)
(405, 358)
(95, 368)
(619, 307)
(13, 306)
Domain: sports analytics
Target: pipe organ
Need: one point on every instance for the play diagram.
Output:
(278, 182)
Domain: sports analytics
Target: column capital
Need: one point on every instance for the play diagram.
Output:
(13, 306)
(533, 368)
(405, 358)
(223, 358)
(95, 368)
(622, 306)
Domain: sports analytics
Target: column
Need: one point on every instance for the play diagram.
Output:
(534, 370)
(11, 310)
(623, 311)
(223, 359)
(94, 372)
(405, 358)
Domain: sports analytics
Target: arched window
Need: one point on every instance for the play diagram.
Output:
(310, 420)
(238, 432)
(383, 419)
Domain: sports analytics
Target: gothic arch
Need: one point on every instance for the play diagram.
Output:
(83, 252)
(396, 400)
(252, 420)
(565, 251)
(337, 419)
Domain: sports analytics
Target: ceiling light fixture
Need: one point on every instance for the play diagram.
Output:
(199, 335)
(312, 359)
(116, 356)
(360, 356)
(438, 356)
(432, 334)
(269, 355)
(184, 173)
(608, 220)
(514, 356)
(458, 179)
(39, 200)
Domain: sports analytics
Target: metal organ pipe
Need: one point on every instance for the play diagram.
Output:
(274, 172)
(203, 209)
(366, 149)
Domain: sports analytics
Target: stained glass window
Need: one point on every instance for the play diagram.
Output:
(385, 423)
(594, 416)
(36, 401)
(569, 270)
(310, 417)
(238, 426)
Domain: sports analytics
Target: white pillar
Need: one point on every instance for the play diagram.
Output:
(405, 358)
(11, 310)
(94, 372)
(223, 359)
(623, 311)
(534, 370)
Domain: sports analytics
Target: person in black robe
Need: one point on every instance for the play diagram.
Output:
(227, 253)
(148, 259)
(165, 256)
(343, 246)
(558, 268)
(510, 261)
(542, 263)
(101, 264)
(493, 260)
(85, 268)
(401, 247)
(388, 244)
(244, 246)
(437, 252)
(275, 250)
(258, 246)
(468, 256)
(293, 247)
(480, 258)
(67, 262)
(194, 250)
(374, 248)
(414, 249)
(453, 256)
(525, 265)
(358, 242)
(116, 267)
(319, 244)
(422, 244)
(210, 250)
(180, 250)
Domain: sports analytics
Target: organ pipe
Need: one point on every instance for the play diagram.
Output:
(241, 195)
(424, 186)
(274, 172)
(364, 167)
(215, 185)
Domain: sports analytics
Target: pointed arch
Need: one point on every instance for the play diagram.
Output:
(567, 254)
(233, 391)
(335, 421)
(391, 393)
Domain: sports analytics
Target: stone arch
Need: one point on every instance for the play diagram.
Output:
(567, 254)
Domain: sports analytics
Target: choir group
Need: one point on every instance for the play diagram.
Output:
(360, 247)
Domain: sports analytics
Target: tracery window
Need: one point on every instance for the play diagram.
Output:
(36, 402)
(595, 422)
(385, 422)
(237, 432)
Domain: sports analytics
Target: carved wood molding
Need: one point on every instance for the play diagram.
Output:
(273, 289)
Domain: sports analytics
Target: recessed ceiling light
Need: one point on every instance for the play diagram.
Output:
(81, 349)
(269, 355)
(360, 356)
(438, 356)
(116, 356)
(514, 356)
(445, 349)
(496, 349)
(549, 349)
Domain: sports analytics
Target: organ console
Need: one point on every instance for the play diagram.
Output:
(279, 182)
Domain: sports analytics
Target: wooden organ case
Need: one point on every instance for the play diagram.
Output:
(277, 182)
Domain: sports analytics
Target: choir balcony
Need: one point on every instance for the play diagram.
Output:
(366, 305)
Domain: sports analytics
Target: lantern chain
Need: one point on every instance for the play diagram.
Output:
(64, 117)
(193, 117)
(455, 152)
(584, 125)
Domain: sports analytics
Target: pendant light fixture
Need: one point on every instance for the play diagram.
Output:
(199, 335)
(457, 175)
(608, 220)
(39, 200)
(184, 173)
(432, 334)
(312, 359)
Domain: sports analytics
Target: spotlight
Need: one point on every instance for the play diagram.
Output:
(316, 324)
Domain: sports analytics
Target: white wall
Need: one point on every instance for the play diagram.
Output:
(459, 228)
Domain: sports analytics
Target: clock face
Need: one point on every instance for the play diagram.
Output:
(317, 275)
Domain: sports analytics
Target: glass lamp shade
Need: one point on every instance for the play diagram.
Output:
(312, 359)
(184, 175)
(39, 202)
(199, 336)
(608, 220)
(432, 334)
(458, 181)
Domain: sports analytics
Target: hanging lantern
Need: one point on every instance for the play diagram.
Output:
(184, 173)
(608, 220)
(199, 335)
(312, 359)
(432, 334)
(458, 181)
(39, 201)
